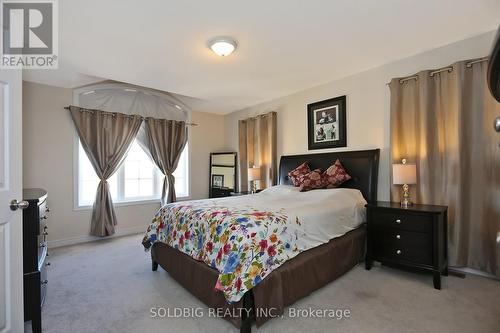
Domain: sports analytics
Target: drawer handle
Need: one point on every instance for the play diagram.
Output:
(44, 282)
(398, 236)
(398, 252)
(47, 264)
(47, 210)
(398, 221)
(44, 217)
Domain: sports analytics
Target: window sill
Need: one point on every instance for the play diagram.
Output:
(130, 203)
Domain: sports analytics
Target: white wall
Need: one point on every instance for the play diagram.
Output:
(367, 104)
(48, 135)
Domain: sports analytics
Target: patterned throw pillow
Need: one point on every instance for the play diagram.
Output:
(297, 172)
(311, 181)
(335, 175)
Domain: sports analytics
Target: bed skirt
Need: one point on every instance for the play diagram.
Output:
(295, 279)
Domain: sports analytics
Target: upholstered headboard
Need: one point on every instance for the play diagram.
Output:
(362, 165)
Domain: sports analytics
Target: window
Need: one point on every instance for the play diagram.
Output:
(138, 179)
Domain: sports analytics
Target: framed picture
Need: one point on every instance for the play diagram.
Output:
(326, 123)
(217, 180)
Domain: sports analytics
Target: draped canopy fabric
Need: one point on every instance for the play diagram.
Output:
(257, 147)
(166, 140)
(106, 138)
(131, 100)
(443, 123)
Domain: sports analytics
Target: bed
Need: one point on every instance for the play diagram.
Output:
(318, 249)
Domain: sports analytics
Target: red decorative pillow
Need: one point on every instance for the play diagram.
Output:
(311, 181)
(297, 172)
(335, 175)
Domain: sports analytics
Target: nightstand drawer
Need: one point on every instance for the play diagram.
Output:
(407, 221)
(403, 245)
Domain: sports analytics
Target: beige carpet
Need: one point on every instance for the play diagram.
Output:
(108, 286)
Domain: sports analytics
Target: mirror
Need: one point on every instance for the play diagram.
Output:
(223, 175)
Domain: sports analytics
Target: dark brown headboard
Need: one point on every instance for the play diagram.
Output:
(362, 165)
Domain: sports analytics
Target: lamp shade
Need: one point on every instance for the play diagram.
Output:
(404, 174)
(254, 173)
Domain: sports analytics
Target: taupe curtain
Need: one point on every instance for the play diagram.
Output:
(166, 141)
(257, 146)
(106, 138)
(443, 121)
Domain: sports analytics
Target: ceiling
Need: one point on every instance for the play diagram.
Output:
(284, 45)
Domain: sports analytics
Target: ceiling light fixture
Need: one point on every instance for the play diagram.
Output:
(222, 46)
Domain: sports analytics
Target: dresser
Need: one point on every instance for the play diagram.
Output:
(35, 264)
(414, 237)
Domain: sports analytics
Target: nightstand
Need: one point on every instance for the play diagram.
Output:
(414, 237)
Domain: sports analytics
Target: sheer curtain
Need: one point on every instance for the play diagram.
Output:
(442, 120)
(257, 146)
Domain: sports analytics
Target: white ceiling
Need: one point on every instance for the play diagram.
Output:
(284, 45)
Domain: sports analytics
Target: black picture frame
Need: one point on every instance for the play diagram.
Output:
(326, 123)
(218, 179)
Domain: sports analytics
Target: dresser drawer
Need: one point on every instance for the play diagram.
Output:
(394, 244)
(43, 211)
(43, 283)
(406, 221)
(42, 237)
(42, 207)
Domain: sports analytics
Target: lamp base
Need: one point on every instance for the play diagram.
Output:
(406, 202)
(254, 187)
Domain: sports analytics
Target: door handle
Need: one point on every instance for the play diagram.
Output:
(15, 205)
(497, 124)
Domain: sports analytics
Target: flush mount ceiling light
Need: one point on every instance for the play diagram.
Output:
(222, 46)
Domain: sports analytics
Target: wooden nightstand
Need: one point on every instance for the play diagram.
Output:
(414, 237)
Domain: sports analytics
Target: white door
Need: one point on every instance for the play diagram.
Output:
(11, 248)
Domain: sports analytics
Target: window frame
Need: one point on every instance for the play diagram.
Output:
(76, 164)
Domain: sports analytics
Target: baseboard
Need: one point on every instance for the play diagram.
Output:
(84, 239)
(473, 271)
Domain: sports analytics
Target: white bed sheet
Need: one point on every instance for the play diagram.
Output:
(324, 214)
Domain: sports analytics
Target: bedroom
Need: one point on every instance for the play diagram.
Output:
(157, 152)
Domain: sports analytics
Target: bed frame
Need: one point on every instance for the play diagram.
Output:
(199, 278)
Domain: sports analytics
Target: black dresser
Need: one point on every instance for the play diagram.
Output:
(414, 237)
(35, 255)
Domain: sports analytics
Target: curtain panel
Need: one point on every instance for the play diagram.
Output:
(257, 147)
(106, 138)
(165, 142)
(442, 121)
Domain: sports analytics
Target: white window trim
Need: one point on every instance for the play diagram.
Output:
(76, 161)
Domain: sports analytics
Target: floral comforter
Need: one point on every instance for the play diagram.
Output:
(242, 242)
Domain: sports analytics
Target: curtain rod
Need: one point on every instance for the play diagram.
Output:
(448, 69)
(262, 115)
(114, 114)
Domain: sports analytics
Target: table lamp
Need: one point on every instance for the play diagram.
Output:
(253, 176)
(404, 174)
